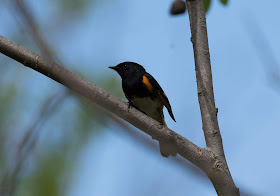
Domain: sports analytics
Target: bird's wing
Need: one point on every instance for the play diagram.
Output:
(160, 94)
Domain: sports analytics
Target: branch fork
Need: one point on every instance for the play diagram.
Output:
(210, 159)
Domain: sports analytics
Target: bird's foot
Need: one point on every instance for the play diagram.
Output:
(129, 105)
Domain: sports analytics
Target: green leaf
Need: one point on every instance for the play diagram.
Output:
(207, 5)
(224, 2)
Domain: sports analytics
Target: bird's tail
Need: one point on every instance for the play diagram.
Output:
(167, 148)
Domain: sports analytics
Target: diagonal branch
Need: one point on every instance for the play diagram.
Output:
(29, 22)
(264, 51)
(219, 174)
(52, 103)
(10, 180)
(150, 146)
(212, 159)
(199, 157)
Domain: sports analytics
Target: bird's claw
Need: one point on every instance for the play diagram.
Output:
(129, 105)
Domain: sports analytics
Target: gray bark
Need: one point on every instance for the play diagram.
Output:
(99, 96)
(219, 173)
(211, 159)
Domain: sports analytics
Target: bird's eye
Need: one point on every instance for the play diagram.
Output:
(125, 65)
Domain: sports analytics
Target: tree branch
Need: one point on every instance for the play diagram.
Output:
(204, 75)
(51, 104)
(219, 174)
(211, 160)
(200, 157)
(29, 22)
(151, 146)
(10, 180)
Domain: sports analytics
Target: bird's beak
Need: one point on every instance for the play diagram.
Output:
(115, 68)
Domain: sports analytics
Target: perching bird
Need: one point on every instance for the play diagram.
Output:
(144, 93)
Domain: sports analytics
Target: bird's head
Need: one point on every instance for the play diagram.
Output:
(128, 69)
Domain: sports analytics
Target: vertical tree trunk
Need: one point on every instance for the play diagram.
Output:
(218, 171)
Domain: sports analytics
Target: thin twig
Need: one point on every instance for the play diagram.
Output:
(34, 30)
(29, 140)
(264, 50)
(27, 145)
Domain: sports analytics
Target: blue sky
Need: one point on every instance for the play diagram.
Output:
(144, 32)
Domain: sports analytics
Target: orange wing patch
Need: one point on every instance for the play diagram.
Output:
(146, 81)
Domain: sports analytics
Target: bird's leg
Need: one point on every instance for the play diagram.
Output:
(162, 121)
(161, 125)
(129, 104)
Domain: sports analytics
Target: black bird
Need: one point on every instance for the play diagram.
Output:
(144, 93)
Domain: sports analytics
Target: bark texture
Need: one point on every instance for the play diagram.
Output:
(219, 174)
(184, 147)
(211, 159)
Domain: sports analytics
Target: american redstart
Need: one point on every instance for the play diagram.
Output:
(144, 93)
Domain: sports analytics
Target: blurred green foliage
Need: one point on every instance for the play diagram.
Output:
(54, 168)
(224, 2)
(45, 180)
(72, 125)
(74, 6)
(207, 4)
(8, 93)
(62, 137)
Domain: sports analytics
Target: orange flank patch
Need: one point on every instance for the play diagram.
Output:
(147, 83)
